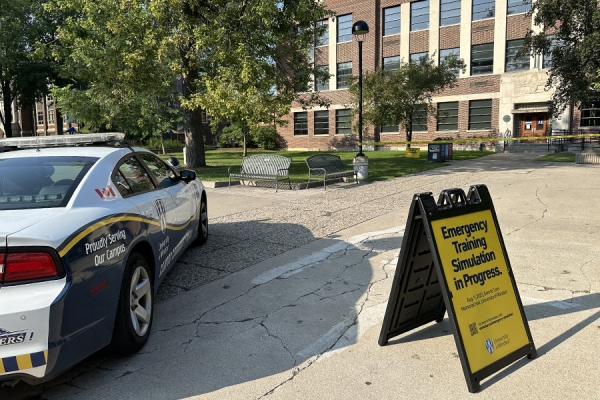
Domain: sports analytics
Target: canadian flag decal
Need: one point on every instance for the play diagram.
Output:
(106, 193)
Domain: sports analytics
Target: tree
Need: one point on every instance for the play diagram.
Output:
(571, 37)
(397, 97)
(21, 77)
(212, 46)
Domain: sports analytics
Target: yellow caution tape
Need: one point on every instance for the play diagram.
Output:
(482, 139)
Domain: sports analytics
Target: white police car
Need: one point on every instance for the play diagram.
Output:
(88, 231)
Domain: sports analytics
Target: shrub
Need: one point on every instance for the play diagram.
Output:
(231, 136)
(265, 137)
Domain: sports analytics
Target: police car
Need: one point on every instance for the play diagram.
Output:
(89, 227)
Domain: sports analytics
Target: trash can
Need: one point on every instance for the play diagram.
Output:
(361, 166)
(439, 152)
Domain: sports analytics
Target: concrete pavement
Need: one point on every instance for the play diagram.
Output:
(287, 298)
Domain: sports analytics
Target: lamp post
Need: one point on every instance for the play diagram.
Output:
(359, 30)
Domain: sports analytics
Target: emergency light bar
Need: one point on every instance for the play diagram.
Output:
(33, 142)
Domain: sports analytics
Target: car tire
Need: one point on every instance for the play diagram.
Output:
(135, 309)
(202, 223)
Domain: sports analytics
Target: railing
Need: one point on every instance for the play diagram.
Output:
(582, 140)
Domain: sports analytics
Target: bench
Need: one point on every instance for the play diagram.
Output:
(263, 167)
(329, 166)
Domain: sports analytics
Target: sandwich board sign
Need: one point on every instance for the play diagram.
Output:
(453, 259)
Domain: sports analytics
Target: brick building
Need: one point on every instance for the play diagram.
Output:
(495, 86)
(39, 120)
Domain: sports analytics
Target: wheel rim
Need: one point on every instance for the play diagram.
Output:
(203, 220)
(140, 301)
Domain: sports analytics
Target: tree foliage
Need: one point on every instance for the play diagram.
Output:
(395, 97)
(21, 76)
(571, 35)
(237, 60)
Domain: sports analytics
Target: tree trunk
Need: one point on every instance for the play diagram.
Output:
(245, 135)
(194, 129)
(58, 121)
(7, 112)
(409, 133)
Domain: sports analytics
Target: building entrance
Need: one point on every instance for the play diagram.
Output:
(534, 124)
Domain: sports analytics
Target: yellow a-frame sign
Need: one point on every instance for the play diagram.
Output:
(453, 258)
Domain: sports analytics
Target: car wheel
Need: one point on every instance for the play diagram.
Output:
(134, 312)
(202, 223)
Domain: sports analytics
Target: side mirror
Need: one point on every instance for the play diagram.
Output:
(187, 175)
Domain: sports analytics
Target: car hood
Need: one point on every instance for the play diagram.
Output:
(16, 220)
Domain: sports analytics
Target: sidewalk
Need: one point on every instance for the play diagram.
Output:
(299, 286)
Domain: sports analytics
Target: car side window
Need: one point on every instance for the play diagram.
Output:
(163, 174)
(132, 178)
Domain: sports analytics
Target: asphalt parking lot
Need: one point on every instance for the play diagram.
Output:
(287, 297)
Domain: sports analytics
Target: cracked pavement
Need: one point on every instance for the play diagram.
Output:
(287, 297)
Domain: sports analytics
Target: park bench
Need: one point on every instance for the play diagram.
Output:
(328, 166)
(263, 167)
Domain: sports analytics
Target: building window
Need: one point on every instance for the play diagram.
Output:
(322, 122)
(300, 123)
(447, 116)
(323, 39)
(416, 57)
(480, 114)
(342, 122)
(389, 129)
(344, 71)
(482, 59)
(344, 28)
(483, 9)
(446, 52)
(322, 84)
(419, 15)
(590, 115)
(518, 6)
(449, 12)
(514, 63)
(419, 122)
(547, 61)
(391, 63)
(39, 108)
(50, 110)
(391, 20)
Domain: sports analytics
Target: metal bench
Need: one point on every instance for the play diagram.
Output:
(263, 167)
(329, 166)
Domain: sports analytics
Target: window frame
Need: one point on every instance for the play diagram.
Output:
(442, 124)
(448, 12)
(298, 128)
(479, 48)
(324, 85)
(590, 108)
(117, 170)
(346, 36)
(477, 15)
(421, 7)
(511, 62)
(347, 130)
(517, 8)
(390, 62)
(341, 80)
(416, 57)
(173, 176)
(393, 30)
(420, 113)
(322, 40)
(481, 106)
(320, 126)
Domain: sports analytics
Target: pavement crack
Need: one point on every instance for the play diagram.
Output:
(279, 339)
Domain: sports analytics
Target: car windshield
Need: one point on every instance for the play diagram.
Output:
(40, 182)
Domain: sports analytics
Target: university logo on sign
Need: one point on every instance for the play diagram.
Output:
(489, 345)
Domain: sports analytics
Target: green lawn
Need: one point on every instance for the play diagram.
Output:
(382, 164)
(559, 157)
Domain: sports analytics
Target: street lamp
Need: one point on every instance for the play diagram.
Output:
(360, 30)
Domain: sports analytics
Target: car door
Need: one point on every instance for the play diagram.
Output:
(156, 205)
(184, 195)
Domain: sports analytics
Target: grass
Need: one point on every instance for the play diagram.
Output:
(559, 157)
(382, 164)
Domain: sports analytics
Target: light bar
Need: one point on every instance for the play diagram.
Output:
(61, 140)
